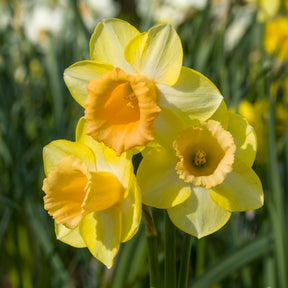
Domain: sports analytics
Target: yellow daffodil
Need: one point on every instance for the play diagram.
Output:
(202, 172)
(266, 9)
(276, 37)
(279, 90)
(257, 115)
(92, 194)
(131, 76)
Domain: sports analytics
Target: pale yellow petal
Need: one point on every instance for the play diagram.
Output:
(167, 125)
(221, 115)
(244, 138)
(78, 76)
(59, 149)
(97, 148)
(69, 236)
(198, 215)
(240, 191)
(109, 40)
(106, 158)
(158, 180)
(101, 232)
(131, 211)
(193, 97)
(157, 54)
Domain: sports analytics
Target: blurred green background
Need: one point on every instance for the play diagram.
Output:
(221, 39)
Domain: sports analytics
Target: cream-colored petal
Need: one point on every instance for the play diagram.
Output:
(198, 215)
(109, 40)
(156, 54)
(193, 97)
(131, 211)
(101, 232)
(59, 149)
(78, 76)
(240, 191)
(71, 237)
(158, 180)
(244, 138)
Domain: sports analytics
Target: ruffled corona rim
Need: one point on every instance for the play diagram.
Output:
(206, 154)
(121, 109)
(73, 192)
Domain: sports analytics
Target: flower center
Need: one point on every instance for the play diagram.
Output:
(200, 158)
(132, 101)
(121, 109)
(206, 154)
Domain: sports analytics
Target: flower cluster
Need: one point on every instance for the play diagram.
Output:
(197, 156)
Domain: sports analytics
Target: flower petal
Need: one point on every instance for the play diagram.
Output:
(69, 236)
(78, 76)
(198, 215)
(103, 191)
(244, 138)
(65, 189)
(101, 232)
(97, 148)
(167, 125)
(158, 180)
(221, 115)
(193, 97)
(106, 159)
(157, 54)
(109, 40)
(240, 191)
(59, 149)
(131, 211)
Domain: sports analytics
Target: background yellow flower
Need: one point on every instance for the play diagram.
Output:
(276, 37)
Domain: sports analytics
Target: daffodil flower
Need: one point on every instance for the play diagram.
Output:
(276, 37)
(92, 194)
(202, 172)
(257, 114)
(131, 76)
(266, 9)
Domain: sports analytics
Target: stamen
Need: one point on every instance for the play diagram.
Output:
(200, 158)
(132, 100)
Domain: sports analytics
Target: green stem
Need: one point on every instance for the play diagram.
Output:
(151, 236)
(185, 260)
(170, 253)
(200, 262)
(234, 261)
(276, 207)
